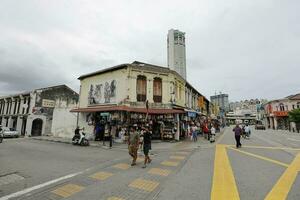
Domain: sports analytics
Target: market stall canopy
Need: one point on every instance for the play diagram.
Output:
(151, 111)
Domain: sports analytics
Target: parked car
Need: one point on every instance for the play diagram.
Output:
(1, 135)
(9, 132)
(259, 125)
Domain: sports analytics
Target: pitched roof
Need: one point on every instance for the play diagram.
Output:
(121, 66)
(294, 97)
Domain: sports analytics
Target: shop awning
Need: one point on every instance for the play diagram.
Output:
(151, 111)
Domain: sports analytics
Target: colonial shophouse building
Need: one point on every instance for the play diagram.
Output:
(276, 112)
(127, 92)
(39, 112)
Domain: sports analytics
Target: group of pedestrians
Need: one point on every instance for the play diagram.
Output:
(207, 129)
(139, 136)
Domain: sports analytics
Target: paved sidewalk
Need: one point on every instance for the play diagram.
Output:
(156, 144)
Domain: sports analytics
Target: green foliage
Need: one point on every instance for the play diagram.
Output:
(294, 116)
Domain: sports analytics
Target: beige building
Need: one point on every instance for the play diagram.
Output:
(124, 92)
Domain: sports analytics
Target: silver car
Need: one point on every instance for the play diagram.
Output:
(9, 132)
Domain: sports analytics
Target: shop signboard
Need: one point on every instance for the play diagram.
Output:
(47, 103)
(191, 114)
(104, 114)
(280, 113)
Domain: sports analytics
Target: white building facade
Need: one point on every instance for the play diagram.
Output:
(176, 52)
(44, 111)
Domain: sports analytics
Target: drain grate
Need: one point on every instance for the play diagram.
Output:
(10, 178)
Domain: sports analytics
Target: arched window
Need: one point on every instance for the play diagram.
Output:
(157, 90)
(141, 88)
(298, 105)
(281, 106)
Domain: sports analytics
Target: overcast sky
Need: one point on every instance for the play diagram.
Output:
(248, 49)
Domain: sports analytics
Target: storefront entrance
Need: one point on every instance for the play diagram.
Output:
(37, 127)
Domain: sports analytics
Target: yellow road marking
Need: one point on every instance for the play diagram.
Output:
(263, 147)
(143, 184)
(67, 190)
(114, 198)
(221, 137)
(170, 163)
(160, 172)
(224, 186)
(101, 175)
(123, 166)
(177, 157)
(285, 182)
(260, 157)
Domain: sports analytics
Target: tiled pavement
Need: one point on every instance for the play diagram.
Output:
(118, 181)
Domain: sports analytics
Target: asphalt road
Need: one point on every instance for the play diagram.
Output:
(266, 167)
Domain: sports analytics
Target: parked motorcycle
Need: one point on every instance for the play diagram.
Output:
(79, 138)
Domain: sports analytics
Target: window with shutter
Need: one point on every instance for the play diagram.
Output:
(141, 88)
(157, 90)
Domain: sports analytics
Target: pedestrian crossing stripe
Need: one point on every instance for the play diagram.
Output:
(115, 198)
(183, 153)
(67, 190)
(177, 157)
(140, 159)
(160, 172)
(170, 163)
(143, 184)
(101, 175)
(123, 166)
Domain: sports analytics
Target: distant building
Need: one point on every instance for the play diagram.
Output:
(176, 52)
(44, 111)
(222, 101)
(276, 112)
(246, 111)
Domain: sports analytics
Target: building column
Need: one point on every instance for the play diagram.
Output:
(19, 124)
(5, 106)
(275, 123)
(3, 122)
(177, 134)
(13, 103)
(28, 126)
(10, 122)
(271, 121)
(21, 105)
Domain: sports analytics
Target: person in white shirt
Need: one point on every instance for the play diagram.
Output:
(247, 131)
(212, 134)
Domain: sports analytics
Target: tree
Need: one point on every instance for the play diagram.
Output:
(294, 116)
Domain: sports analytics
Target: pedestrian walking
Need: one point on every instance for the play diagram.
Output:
(133, 144)
(194, 132)
(147, 146)
(97, 131)
(247, 131)
(237, 134)
(212, 134)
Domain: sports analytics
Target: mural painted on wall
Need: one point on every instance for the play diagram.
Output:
(103, 93)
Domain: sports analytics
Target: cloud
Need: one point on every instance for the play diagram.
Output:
(248, 49)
